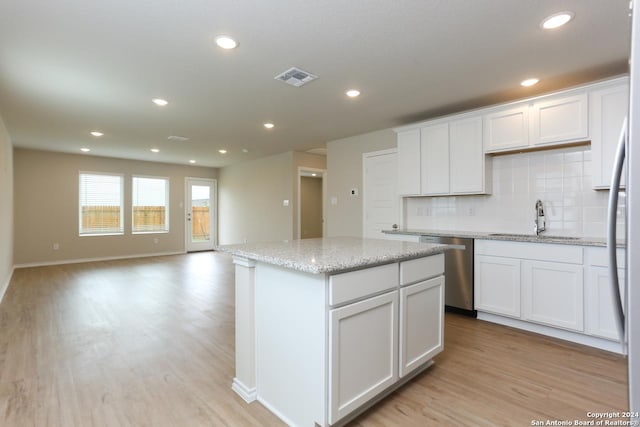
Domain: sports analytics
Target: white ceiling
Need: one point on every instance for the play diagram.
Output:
(68, 67)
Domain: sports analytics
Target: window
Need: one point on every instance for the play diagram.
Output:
(100, 204)
(150, 202)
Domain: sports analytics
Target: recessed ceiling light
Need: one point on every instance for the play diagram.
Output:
(353, 93)
(85, 150)
(529, 82)
(269, 125)
(96, 133)
(226, 42)
(222, 151)
(155, 150)
(556, 20)
(159, 101)
(244, 150)
(192, 161)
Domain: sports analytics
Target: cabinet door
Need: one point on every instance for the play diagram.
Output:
(466, 156)
(497, 285)
(600, 312)
(506, 129)
(434, 152)
(553, 294)
(421, 323)
(363, 352)
(409, 162)
(607, 110)
(559, 120)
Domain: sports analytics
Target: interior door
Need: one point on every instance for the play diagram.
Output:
(381, 203)
(200, 218)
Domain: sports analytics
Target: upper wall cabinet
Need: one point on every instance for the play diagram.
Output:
(559, 120)
(550, 120)
(409, 162)
(443, 158)
(607, 109)
(506, 129)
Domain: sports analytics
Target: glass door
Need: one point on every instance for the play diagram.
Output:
(200, 214)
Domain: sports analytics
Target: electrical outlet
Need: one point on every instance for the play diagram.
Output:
(334, 200)
(56, 246)
(285, 203)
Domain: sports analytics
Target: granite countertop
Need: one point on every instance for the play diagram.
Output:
(512, 237)
(333, 254)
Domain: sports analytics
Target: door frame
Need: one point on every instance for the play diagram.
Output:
(366, 156)
(214, 210)
(322, 172)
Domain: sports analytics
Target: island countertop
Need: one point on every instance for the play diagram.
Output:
(332, 254)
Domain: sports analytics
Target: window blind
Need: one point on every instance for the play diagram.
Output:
(150, 204)
(101, 210)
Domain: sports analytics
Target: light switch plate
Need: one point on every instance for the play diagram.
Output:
(285, 203)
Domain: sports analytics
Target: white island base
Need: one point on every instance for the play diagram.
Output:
(317, 349)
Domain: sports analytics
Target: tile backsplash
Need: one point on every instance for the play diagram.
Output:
(561, 178)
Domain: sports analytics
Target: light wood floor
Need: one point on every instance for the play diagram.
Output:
(150, 342)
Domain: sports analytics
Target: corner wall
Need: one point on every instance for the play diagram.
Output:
(344, 172)
(6, 209)
(46, 208)
(251, 196)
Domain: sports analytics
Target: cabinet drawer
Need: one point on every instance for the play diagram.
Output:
(599, 257)
(419, 269)
(533, 251)
(360, 283)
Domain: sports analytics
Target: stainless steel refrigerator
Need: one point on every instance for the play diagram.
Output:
(629, 307)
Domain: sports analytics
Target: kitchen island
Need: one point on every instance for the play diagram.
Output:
(327, 327)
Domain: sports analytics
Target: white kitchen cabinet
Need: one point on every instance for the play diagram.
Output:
(434, 152)
(559, 119)
(409, 162)
(599, 304)
(552, 294)
(497, 285)
(466, 160)
(506, 129)
(443, 158)
(361, 363)
(421, 304)
(608, 107)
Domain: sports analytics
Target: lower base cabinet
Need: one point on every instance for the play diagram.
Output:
(500, 289)
(363, 352)
(564, 287)
(552, 294)
(421, 304)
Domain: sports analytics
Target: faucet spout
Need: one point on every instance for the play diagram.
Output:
(539, 224)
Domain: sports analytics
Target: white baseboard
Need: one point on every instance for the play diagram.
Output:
(247, 394)
(601, 343)
(81, 260)
(5, 285)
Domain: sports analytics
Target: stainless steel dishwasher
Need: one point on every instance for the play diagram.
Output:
(458, 274)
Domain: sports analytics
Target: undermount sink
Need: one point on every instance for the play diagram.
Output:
(544, 236)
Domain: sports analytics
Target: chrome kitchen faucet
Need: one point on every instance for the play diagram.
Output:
(539, 224)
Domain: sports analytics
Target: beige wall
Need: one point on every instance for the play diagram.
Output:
(46, 207)
(252, 194)
(6, 208)
(310, 207)
(344, 172)
(303, 160)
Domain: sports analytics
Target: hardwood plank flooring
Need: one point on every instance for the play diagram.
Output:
(150, 342)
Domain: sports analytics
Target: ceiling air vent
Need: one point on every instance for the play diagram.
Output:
(177, 138)
(296, 77)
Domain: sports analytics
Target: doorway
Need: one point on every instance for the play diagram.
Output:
(311, 189)
(200, 220)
